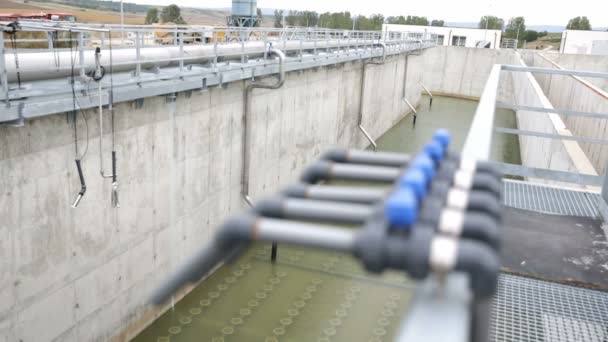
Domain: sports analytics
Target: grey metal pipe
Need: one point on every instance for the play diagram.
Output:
(336, 193)
(41, 65)
(317, 210)
(308, 235)
(325, 170)
(341, 155)
(230, 239)
(245, 120)
(362, 96)
(236, 233)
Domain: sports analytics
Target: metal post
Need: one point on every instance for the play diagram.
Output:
(49, 37)
(215, 37)
(605, 186)
(81, 53)
(315, 42)
(3, 75)
(137, 55)
(103, 39)
(181, 51)
(273, 252)
(122, 24)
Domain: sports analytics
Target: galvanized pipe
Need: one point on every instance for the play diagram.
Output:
(245, 120)
(353, 194)
(362, 96)
(40, 65)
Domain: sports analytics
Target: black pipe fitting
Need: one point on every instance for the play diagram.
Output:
(271, 207)
(335, 154)
(482, 201)
(298, 190)
(482, 265)
(378, 251)
(480, 166)
(476, 225)
(231, 239)
(480, 180)
(317, 171)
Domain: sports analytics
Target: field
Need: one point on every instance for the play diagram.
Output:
(83, 15)
(552, 40)
(191, 15)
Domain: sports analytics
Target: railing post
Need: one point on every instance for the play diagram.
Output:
(137, 54)
(3, 75)
(181, 51)
(605, 186)
(81, 53)
(215, 38)
(315, 45)
(103, 39)
(49, 37)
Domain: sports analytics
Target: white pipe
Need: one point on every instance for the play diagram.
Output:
(41, 65)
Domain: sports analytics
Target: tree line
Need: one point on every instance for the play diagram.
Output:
(516, 27)
(335, 20)
(345, 20)
(169, 14)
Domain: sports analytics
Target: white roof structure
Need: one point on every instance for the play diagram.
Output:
(584, 42)
(456, 36)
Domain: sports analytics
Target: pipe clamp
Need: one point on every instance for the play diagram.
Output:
(451, 222)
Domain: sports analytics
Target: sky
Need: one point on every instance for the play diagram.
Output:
(536, 12)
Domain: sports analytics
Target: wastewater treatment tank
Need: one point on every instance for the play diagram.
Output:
(311, 295)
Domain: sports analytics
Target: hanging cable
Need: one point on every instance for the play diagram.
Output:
(97, 75)
(55, 40)
(75, 109)
(115, 201)
(13, 34)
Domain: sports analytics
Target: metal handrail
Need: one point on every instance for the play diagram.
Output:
(479, 138)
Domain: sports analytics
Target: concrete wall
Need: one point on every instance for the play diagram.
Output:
(542, 152)
(463, 72)
(588, 95)
(84, 274)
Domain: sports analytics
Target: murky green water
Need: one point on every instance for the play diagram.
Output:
(312, 295)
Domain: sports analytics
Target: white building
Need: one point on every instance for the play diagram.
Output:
(457, 36)
(584, 42)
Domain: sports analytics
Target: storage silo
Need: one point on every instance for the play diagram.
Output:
(244, 13)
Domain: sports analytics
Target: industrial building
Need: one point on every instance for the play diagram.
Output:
(188, 189)
(584, 42)
(453, 36)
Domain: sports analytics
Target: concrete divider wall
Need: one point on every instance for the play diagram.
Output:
(463, 72)
(566, 92)
(542, 152)
(84, 274)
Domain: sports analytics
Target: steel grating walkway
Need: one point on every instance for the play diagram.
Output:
(550, 200)
(526, 309)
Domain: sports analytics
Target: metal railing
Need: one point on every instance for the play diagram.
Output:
(479, 139)
(194, 56)
(508, 43)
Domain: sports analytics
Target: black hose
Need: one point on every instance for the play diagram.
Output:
(83, 186)
(113, 166)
